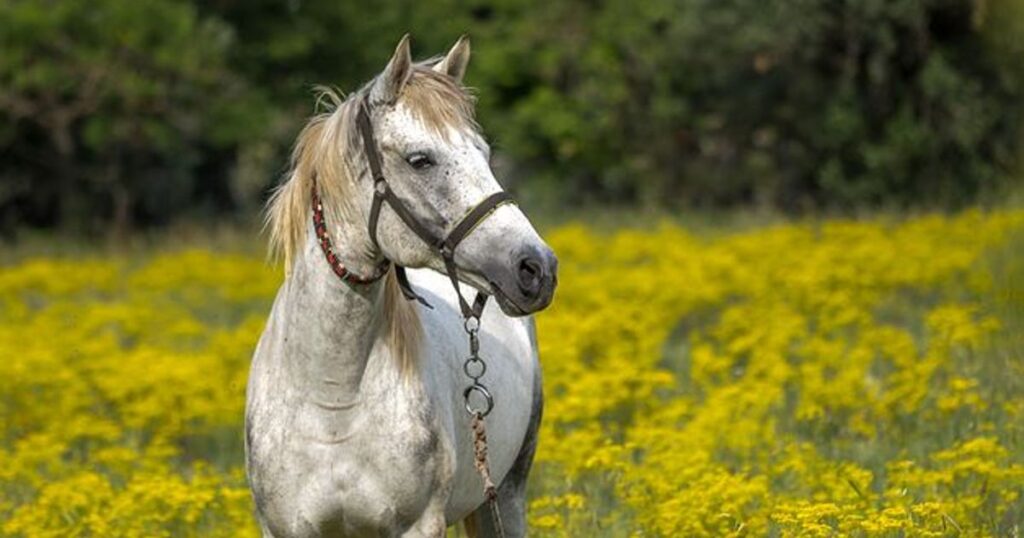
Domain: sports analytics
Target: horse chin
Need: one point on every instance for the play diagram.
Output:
(512, 303)
(508, 307)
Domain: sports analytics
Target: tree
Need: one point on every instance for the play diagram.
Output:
(808, 102)
(113, 102)
(114, 111)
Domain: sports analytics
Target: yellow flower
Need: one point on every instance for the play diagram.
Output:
(835, 378)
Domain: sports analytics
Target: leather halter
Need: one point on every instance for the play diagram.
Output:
(443, 246)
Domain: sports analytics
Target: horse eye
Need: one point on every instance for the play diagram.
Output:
(419, 161)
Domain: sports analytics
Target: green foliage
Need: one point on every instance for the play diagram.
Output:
(784, 103)
(139, 110)
(112, 104)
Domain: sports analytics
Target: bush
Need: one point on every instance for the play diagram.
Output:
(139, 111)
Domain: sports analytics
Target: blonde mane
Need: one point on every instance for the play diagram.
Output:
(328, 148)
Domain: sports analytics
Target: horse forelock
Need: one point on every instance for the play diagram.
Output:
(439, 102)
(326, 149)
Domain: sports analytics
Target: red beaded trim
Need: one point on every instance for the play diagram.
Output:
(332, 259)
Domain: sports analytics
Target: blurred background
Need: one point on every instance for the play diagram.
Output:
(755, 364)
(118, 116)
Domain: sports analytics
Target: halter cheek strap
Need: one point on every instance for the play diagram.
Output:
(443, 246)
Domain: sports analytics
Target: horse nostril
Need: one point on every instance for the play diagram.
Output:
(530, 276)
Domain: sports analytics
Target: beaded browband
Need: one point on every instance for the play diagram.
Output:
(332, 259)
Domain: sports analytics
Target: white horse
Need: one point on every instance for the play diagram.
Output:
(355, 418)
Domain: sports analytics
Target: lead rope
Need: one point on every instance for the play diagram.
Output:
(474, 368)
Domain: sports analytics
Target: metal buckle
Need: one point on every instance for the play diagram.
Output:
(474, 362)
(482, 391)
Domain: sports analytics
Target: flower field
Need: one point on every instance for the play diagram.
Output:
(835, 378)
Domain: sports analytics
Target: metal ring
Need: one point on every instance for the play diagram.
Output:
(471, 360)
(471, 325)
(482, 390)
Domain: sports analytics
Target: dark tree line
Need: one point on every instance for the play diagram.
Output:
(115, 114)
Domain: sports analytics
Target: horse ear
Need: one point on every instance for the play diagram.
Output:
(391, 82)
(455, 62)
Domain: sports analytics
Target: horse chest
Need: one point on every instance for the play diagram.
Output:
(370, 470)
(390, 473)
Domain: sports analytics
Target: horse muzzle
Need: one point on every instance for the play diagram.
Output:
(528, 284)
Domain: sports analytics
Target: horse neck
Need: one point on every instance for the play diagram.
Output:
(331, 328)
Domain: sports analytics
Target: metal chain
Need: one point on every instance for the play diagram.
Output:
(475, 368)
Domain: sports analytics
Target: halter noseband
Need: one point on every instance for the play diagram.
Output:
(443, 246)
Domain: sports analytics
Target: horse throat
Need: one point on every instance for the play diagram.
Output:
(332, 329)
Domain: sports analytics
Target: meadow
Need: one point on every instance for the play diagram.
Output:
(814, 378)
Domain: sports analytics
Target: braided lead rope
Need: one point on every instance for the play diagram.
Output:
(480, 453)
(475, 368)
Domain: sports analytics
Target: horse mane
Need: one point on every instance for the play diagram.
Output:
(329, 148)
